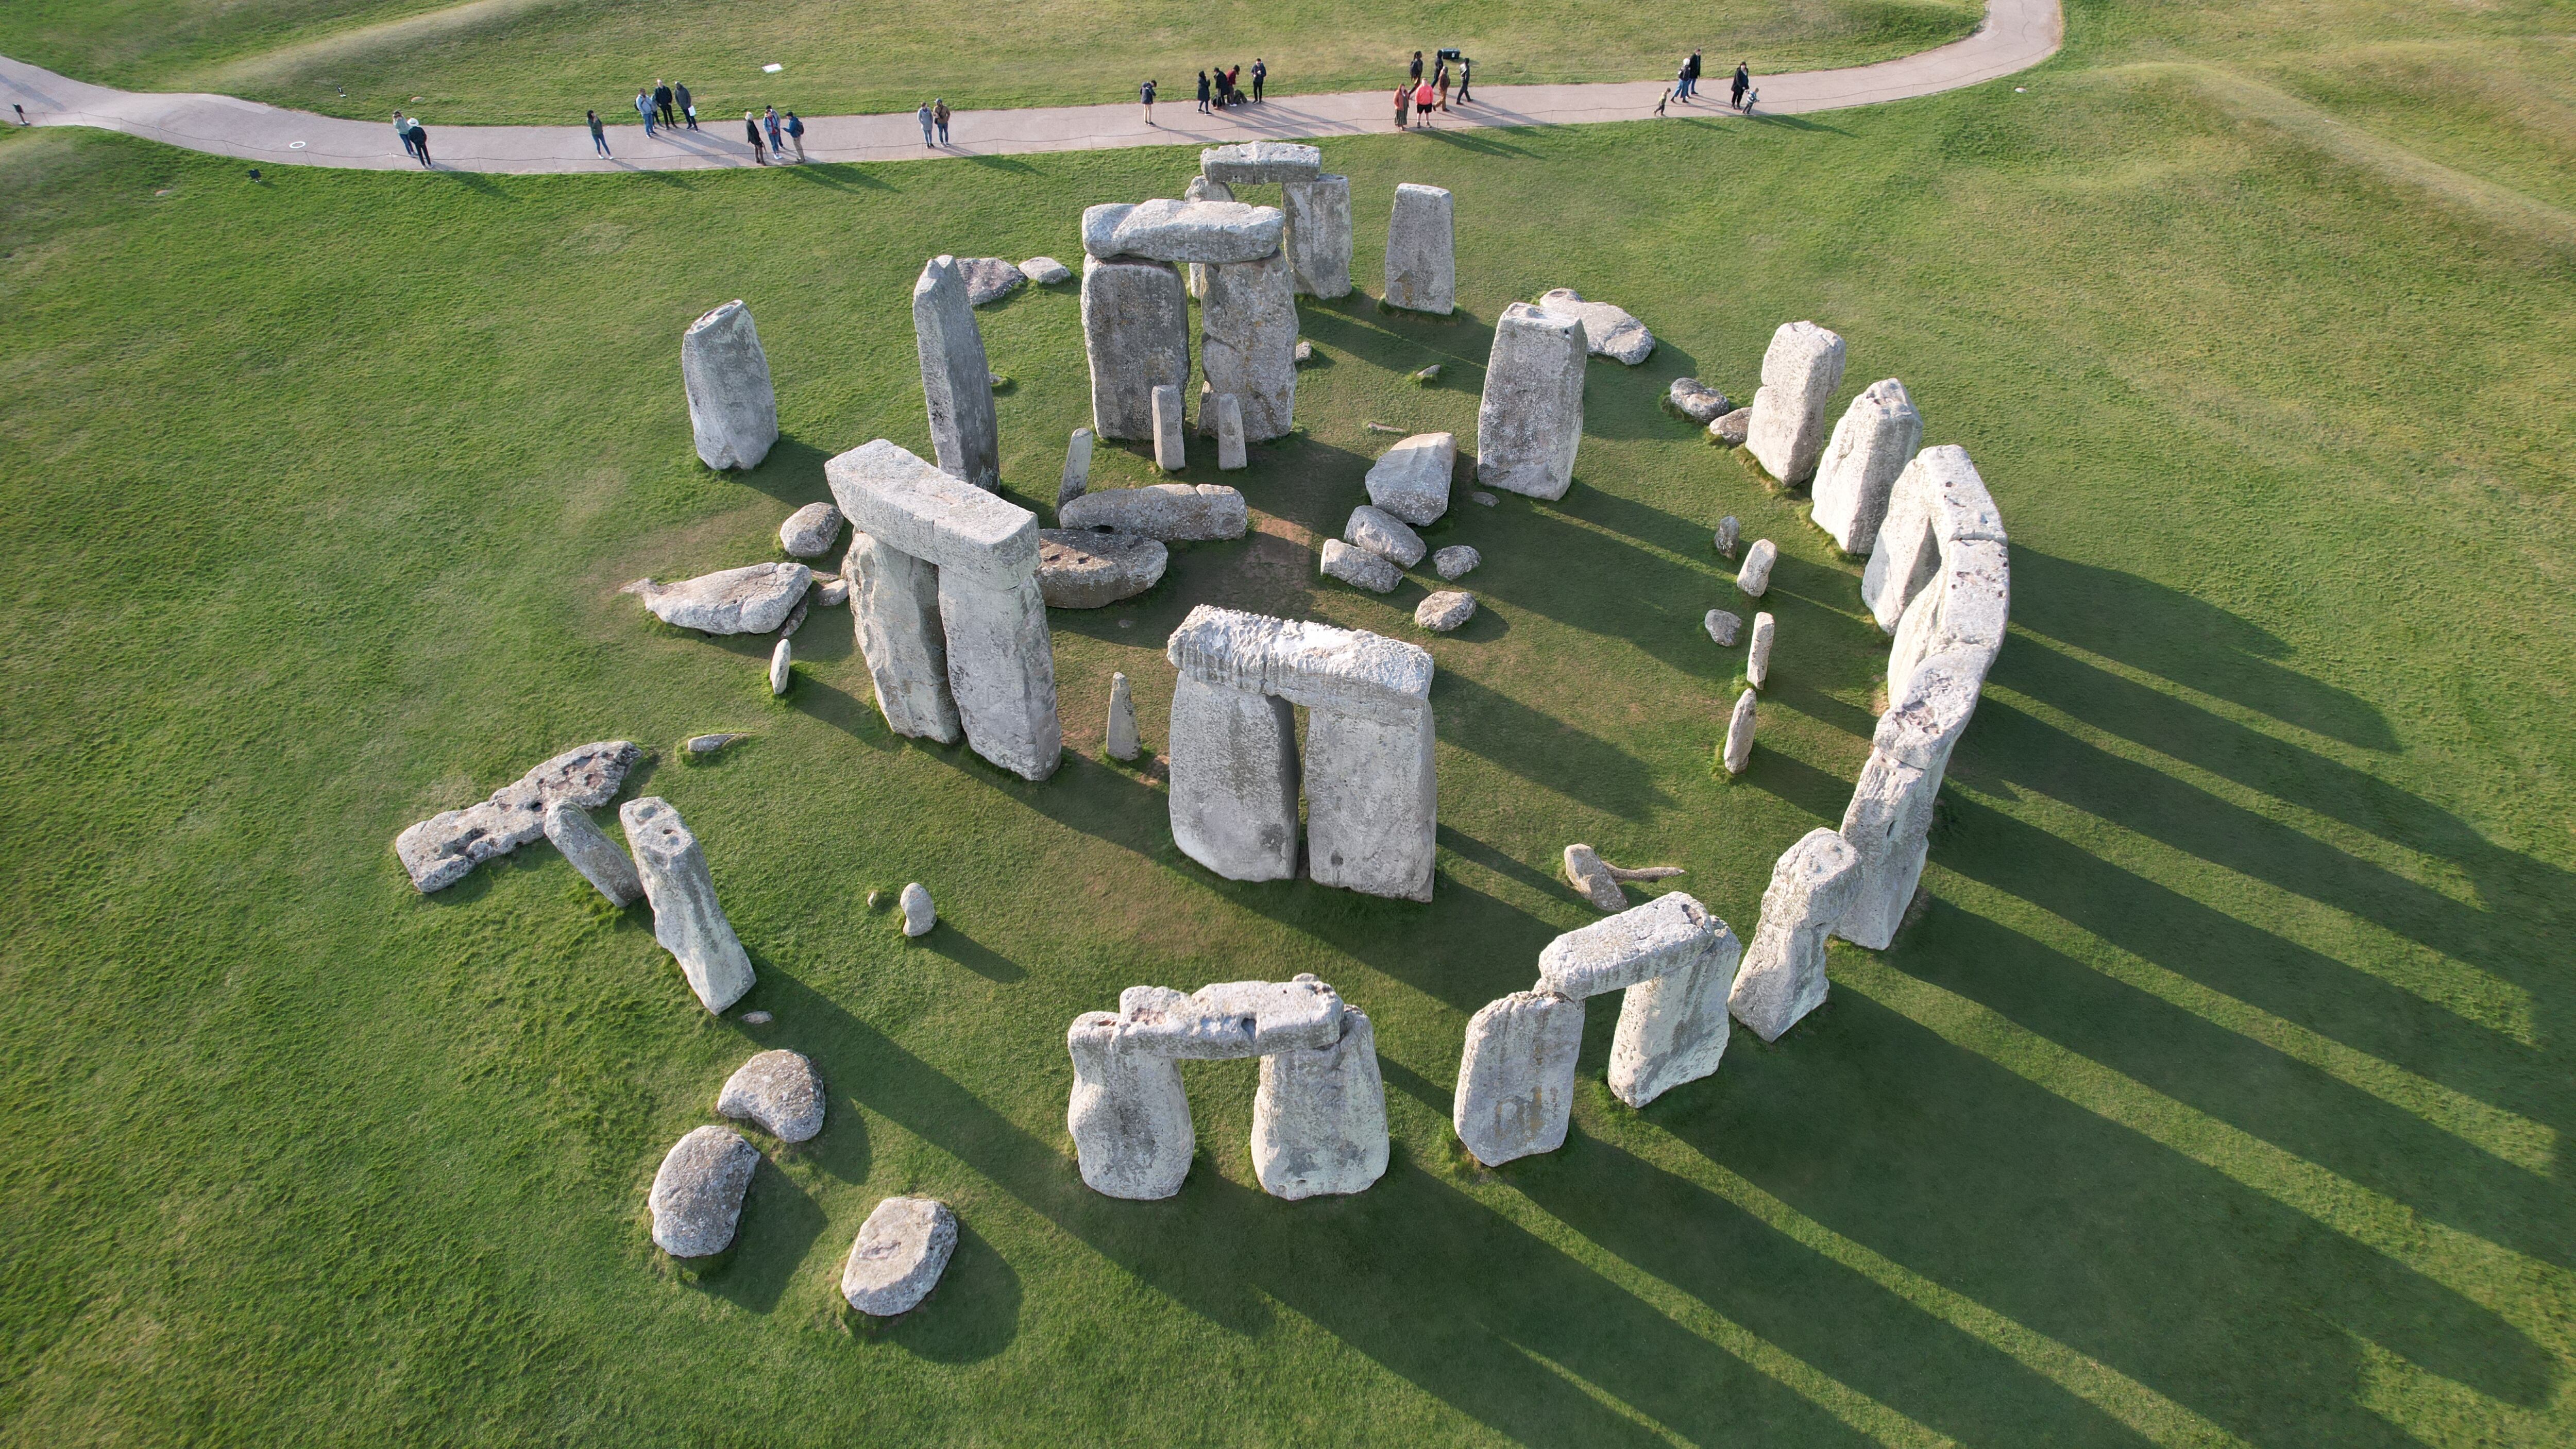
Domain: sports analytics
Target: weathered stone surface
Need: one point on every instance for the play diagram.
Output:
(1800, 371)
(1136, 334)
(1228, 1020)
(1234, 779)
(1871, 446)
(733, 410)
(1121, 740)
(895, 616)
(831, 593)
(1319, 666)
(1173, 512)
(1730, 429)
(782, 668)
(1214, 232)
(780, 1092)
(1888, 826)
(1729, 532)
(989, 279)
(1260, 163)
(956, 381)
(1757, 656)
(1372, 802)
(1128, 1116)
(1248, 344)
(1384, 534)
(1171, 450)
(753, 599)
(1964, 611)
(1305, 352)
(1444, 609)
(1586, 872)
(709, 744)
(1317, 237)
(1076, 479)
(1228, 408)
(1608, 331)
(1483, 499)
(898, 1256)
(1694, 400)
(1754, 576)
(1202, 189)
(1319, 1116)
(1925, 719)
(1739, 735)
(1783, 977)
(1722, 627)
(1516, 1076)
(697, 1192)
(1411, 480)
(796, 616)
(1456, 561)
(592, 853)
(1046, 271)
(439, 851)
(1081, 569)
(1938, 499)
(686, 919)
(1530, 419)
(1421, 251)
(1359, 567)
(810, 531)
(1001, 669)
(918, 914)
(1673, 1029)
(1662, 936)
(928, 512)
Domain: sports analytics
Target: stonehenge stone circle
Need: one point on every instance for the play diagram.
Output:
(1371, 791)
(1739, 735)
(1360, 567)
(698, 1190)
(1136, 335)
(1317, 237)
(1753, 576)
(1081, 569)
(1530, 420)
(1783, 976)
(810, 531)
(1443, 610)
(1608, 331)
(1248, 344)
(1876, 438)
(1890, 815)
(687, 921)
(1722, 627)
(753, 599)
(1456, 561)
(1076, 480)
(733, 410)
(442, 850)
(592, 853)
(1260, 163)
(780, 1092)
(1673, 1029)
(898, 1256)
(1228, 408)
(1046, 271)
(1800, 371)
(1171, 512)
(1757, 655)
(1695, 400)
(1171, 450)
(918, 914)
(1121, 741)
(987, 623)
(782, 668)
(1516, 1076)
(989, 279)
(1421, 251)
(1382, 533)
(1211, 232)
(1129, 1118)
(894, 615)
(956, 381)
(1411, 480)
(1319, 1116)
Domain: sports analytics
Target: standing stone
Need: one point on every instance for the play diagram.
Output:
(1757, 656)
(686, 919)
(1234, 779)
(782, 668)
(1128, 1116)
(593, 854)
(1800, 371)
(1939, 500)
(1739, 735)
(1359, 567)
(733, 410)
(1421, 252)
(1317, 237)
(1371, 798)
(1319, 1117)
(956, 381)
(918, 913)
(698, 1190)
(1889, 821)
(1202, 189)
(1754, 575)
(779, 1090)
(1530, 420)
(1673, 1028)
(1122, 742)
(895, 616)
(898, 1256)
(1077, 468)
(1229, 434)
(1411, 480)
(1384, 534)
(1170, 454)
(1728, 531)
(810, 531)
(1964, 611)
(1136, 333)
(1516, 1077)
(1248, 344)
(1784, 971)
(1871, 446)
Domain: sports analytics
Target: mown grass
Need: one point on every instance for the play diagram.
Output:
(2221, 1094)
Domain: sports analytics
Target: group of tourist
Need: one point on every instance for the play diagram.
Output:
(1418, 97)
(1686, 86)
(933, 116)
(667, 104)
(1227, 90)
(413, 135)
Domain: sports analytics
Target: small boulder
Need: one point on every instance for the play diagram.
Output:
(1360, 568)
(750, 600)
(989, 279)
(901, 1250)
(1456, 561)
(778, 1091)
(1608, 331)
(1426, 376)
(1480, 496)
(918, 914)
(782, 668)
(1382, 533)
(1080, 569)
(1445, 610)
(810, 531)
(1305, 352)
(1730, 428)
(1728, 531)
(1046, 271)
(697, 1194)
(1754, 575)
(709, 744)
(1723, 627)
(1700, 404)
(1411, 480)
(831, 592)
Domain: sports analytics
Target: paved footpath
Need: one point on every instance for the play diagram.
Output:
(2016, 35)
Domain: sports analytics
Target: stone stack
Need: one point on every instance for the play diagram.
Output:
(1135, 313)
(733, 409)
(956, 380)
(1370, 788)
(1800, 371)
(1317, 236)
(948, 609)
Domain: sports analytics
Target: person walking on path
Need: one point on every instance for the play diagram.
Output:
(769, 122)
(1659, 100)
(1743, 80)
(1688, 80)
(644, 108)
(688, 108)
(751, 133)
(22, 114)
(1416, 73)
(923, 116)
(1403, 103)
(939, 112)
(420, 141)
(1203, 93)
(1260, 73)
(1440, 76)
(1466, 78)
(796, 133)
(1422, 103)
(402, 133)
(598, 135)
(1697, 67)
(1145, 93)
(662, 101)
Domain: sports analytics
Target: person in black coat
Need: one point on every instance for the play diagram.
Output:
(1743, 79)
(1203, 92)
(751, 132)
(680, 93)
(662, 103)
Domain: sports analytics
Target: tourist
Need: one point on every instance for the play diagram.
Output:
(1659, 100)
(688, 108)
(796, 133)
(662, 102)
(1440, 77)
(598, 135)
(1403, 103)
(1234, 84)
(769, 123)
(1145, 93)
(420, 140)
(1681, 84)
(22, 114)
(1466, 78)
(402, 133)
(1203, 93)
(923, 116)
(939, 113)
(1417, 67)
(1743, 79)
(1422, 103)
(1689, 85)
(1260, 73)
(644, 108)
(751, 132)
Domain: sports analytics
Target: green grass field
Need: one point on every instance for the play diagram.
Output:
(549, 60)
(2222, 1094)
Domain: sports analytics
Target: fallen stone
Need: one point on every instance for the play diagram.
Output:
(1730, 429)
(709, 744)
(1234, 777)
(1757, 658)
(795, 617)
(1171, 450)
(1444, 610)
(1212, 232)
(1483, 499)
(698, 1191)
(989, 279)
(1305, 351)
(918, 914)
(780, 1092)
(1516, 1076)
(1228, 1020)
(1586, 872)
(1722, 627)
(1411, 480)
(1230, 457)
(1319, 1116)
(1673, 1029)
(1872, 444)
(810, 531)
(1608, 331)
(1456, 561)
(1529, 421)
(1739, 735)
(733, 409)
(1638, 944)
(592, 853)
(1317, 237)
(1122, 742)
(1261, 163)
(753, 599)
(1700, 404)
(687, 921)
(1081, 569)
(1360, 568)
(757, 1018)
(1800, 371)
(1172, 512)
(1381, 532)
(1424, 377)
(831, 592)
(900, 1252)
(1136, 336)
(1421, 251)
(782, 668)
(956, 381)
(440, 851)
(1046, 271)
(1754, 576)
(1076, 480)
(1129, 1117)
(1248, 345)
(1728, 533)
(1783, 977)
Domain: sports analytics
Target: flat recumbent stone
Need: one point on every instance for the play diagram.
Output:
(1210, 232)
(1260, 163)
(1229, 1020)
(1658, 938)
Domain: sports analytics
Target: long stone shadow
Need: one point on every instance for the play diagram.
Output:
(1542, 749)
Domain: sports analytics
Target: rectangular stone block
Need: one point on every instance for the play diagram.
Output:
(1925, 719)
(1888, 826)
(1317, 237)
(1171, 450)
(1136, 335)
(1421, 251)
(894, 607)
(1230, 454)
(1259, 163)
(1516, 1076)
(1530, 420)
(956, 381)
(1319, 1116)
(1001, 670)
(1965, 611)
(1076, 478)
(733, 409)
(1229, 1020)
(1411, 480)
(1938, 497)
(1348, 671)
(932, 514)
(1214, 232)
(1639, 944)
(1171, 512)
(1248, 344)
(1372, 803)
(1871, 446)
(1673, 1029)
(1800, 371)
(1783, 976)
(1234, 779)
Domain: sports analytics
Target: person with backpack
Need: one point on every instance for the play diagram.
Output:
(769, 122)
(1145, 93)
(1466, 78)
(796, 133)
(598, 135)
(939, 113)
(420, 141)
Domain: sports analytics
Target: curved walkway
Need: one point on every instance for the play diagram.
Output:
(2015, 35)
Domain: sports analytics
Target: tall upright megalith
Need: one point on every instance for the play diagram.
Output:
(687, 922)
(1248, 345)
(1530, 420)
(1128, 1114)
(1783, 975)
(1317, 237)
(1516, 1076)
(956, 381)
(1889, 821)
(1136, 331)
(1234, 779)
(1800, 370)
(1422, 251)
(1319, 1116)
(733, 410)
(894, 611)
(1876, 438)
